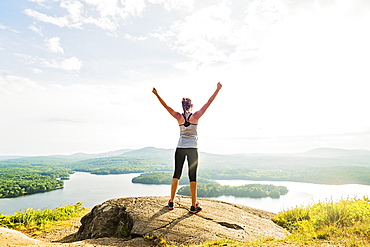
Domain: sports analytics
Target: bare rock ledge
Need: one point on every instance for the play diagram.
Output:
(139, 216)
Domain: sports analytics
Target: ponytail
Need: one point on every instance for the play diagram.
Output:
(186, 104)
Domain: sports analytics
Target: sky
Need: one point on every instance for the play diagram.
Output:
(77, 75)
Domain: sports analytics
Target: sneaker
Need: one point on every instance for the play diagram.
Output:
(170, 205)
(195, 209)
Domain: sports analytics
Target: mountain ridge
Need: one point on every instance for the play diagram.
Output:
(335, 152)
(324, 152)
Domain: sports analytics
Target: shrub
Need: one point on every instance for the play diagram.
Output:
(325, 219)
(37, 219)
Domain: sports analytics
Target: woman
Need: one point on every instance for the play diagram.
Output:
(187, 145)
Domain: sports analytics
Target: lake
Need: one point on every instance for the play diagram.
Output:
(94, 189)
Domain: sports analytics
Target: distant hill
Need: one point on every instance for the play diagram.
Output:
(327, 157)
(84, 156)
(10, 157)
(68, 157)
(149, 152)
(317, 157)
(153, 152)
(335, 153)
(322, 165)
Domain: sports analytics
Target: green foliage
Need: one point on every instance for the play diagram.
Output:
(343, 170)
(124, 230)
(308, 174)
(221, 242)
(120, 165)
(324, 220)
(157, 241)
(248, 190)
(18, 184)
(163, 178)
(342, 223)
(38, 219)
(248, 174)
(153, 178)
(47, 166)
(31, 175)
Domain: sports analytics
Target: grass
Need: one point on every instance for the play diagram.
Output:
(36, 219)
(342, 223)
(157, 241)
(347, 219)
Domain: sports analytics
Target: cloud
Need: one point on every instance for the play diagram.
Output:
(69, 64)
(130, 37)
(103, 23)
(37, 1)
(74, 8)
(293, 68)
(114, 8)
(53, 45)
(174, 4)
(204, 36)
(27, 59)
(38, 71)
(224, 34)
(2, 27)
(232, 33)
(105, 14)
(35, 29)
(10, 85)
(58, 21)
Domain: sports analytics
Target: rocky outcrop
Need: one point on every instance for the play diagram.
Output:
(148, 216)
(9, 237)
(106, 220)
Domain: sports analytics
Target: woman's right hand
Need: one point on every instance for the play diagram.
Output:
(154, 91)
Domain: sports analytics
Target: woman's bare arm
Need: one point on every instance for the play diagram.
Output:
(200, 113)
(174, 113)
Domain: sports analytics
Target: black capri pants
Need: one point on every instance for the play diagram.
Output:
(192, 157)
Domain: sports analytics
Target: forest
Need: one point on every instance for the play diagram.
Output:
(120, 165)
(19, 184)
(164, 178)
(209, 188)
(318, 175)
(26, 175)
(20, 177)
(248, 190)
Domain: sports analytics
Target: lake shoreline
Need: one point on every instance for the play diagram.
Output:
(94, 189)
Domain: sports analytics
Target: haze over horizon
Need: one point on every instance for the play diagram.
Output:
(76, 76)
(323, 152)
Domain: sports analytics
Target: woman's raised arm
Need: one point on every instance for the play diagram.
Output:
(173, 113)
(200, 113)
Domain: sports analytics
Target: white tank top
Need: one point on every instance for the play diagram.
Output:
(188, 134)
